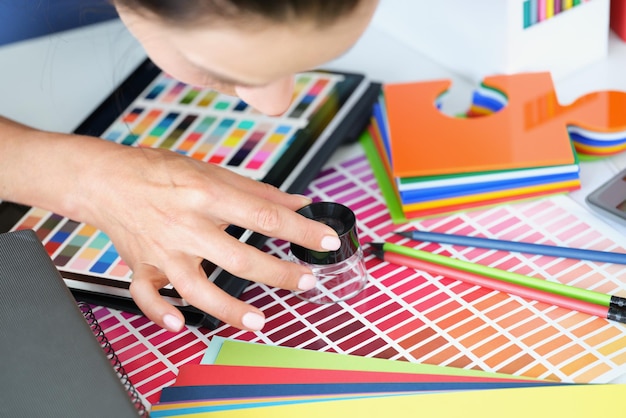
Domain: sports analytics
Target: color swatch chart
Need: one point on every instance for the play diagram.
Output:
(217, 128)
(410, 316)
(537, 11)
(200, 123)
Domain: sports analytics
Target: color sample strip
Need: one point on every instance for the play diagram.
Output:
(120, 269)
(301, 82)
(215, 137)
(31, 219)
(309, 98)
(231, 142)
(527, 14)
(156, 90)
(174, 92)
(240, 106)
(105, 261)
(534, 15)
(177, 132)
(113, 135)
(549, 9)
(132, 116)
(141, 127)
(156, 134)
(207, 99)
(190, 96)
(253, 140)
(222, 104)
(90, 253)
(48, 225)
(74, 245)
(273, 142)
(120, 127)
(60, 236)
(194, 136)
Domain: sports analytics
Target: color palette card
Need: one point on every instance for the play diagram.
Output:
(496, 153)
(214, 388)
(151, 109)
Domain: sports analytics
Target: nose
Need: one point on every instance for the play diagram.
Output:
(271, 99)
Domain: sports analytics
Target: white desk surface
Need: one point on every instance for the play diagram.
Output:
(55, 82)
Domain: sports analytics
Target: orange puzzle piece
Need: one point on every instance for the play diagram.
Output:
(532, 130)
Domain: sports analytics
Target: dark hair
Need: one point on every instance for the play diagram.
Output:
(321, 12)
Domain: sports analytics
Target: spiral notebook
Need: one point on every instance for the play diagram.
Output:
(50, 362)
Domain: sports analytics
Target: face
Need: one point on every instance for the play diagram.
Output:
(256, 63)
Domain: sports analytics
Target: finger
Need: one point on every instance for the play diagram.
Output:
(263, 190)
(277, 221)
(144, 289)
(192, 284)
(246, 261)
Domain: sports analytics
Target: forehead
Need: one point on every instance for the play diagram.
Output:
(265, 54)
(260, 51)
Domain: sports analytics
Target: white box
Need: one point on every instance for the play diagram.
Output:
(486, 37)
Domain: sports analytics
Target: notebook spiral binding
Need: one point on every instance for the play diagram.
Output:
(115, 361)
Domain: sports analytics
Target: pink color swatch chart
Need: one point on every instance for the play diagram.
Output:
(407, 315)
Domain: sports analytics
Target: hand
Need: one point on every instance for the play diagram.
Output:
(165, 213)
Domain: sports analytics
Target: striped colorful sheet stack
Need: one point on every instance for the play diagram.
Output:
(239, 379)
(511, 145)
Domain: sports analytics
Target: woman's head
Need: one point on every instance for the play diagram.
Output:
(246, 47)
(321, 12)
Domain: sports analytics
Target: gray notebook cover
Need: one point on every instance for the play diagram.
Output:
(51, 365)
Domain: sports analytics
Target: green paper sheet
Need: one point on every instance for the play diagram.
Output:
(239, 353)
(386, 188)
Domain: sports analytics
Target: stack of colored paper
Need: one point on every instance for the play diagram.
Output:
(245, 379)
(511, 145)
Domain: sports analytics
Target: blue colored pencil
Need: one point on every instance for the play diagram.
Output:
(521, 247)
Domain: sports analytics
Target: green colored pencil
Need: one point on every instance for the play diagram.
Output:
(586, 295)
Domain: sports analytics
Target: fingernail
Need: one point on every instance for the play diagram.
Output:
(331, 243)
(306, 199)
(172, 323)
(307, 282)
(253, 321)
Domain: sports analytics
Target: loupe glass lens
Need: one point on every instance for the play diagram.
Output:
(341, 274)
